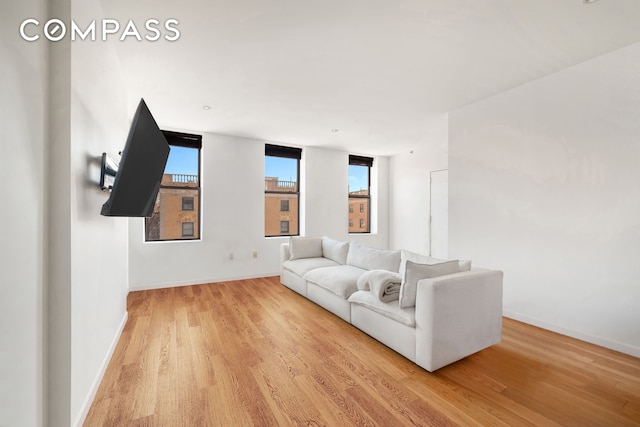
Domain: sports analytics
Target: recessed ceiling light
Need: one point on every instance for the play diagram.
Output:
(206, 107)
(589, 1)
(334, 130)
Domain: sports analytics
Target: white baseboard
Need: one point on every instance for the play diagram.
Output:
(84, 410)
(163, 285)
(602, 342)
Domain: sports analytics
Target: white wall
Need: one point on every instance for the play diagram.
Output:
(409, 181)
(545, 184)
(58, 215)
(86, 254)
(99, 245)
(233, 216)
(23, 139)
(61, 304)
(325, 198)
(380, 212)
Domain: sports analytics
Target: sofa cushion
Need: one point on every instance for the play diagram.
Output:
(372, 258)
(335, 250)
(415, 272)
(304, 265)
(305, 247)
(405, 255)
(341, 279)
(406, 316)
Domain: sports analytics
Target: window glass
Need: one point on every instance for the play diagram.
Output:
(359, 194)
(359, 180)
(187, 229)
(281, 191)
(187, 203)
(178, 202)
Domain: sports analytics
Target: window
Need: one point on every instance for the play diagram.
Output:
(176, 214)
(187, 203)
(360, 193)
(187, 229)
(281, 190)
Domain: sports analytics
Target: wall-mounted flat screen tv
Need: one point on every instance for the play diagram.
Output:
(142, 163)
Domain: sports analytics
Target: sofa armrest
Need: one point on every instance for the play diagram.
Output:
(284, 255)
(457, 315)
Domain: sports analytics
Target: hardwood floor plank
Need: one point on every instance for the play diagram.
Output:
(254, 353)
(331, 390)
(225, 407)
(377, 409)
(290, 403)
(511, 411)
(468, 406)
(631, 410)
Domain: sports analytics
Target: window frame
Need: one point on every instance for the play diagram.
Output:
(283, 204)
(271, 150)
(186, 140)
(355, 160)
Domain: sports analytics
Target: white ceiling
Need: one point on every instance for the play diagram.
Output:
(289, 71)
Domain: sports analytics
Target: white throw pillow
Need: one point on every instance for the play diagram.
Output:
(372, 258)
(465, 265)
(305, 247)
(335, 250)
(417, 258)
(416, 272)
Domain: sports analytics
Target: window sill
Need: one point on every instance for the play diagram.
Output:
(172, 241)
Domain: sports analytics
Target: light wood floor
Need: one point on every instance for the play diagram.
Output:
(253, 352)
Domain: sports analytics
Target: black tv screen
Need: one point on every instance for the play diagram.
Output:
(142, 164)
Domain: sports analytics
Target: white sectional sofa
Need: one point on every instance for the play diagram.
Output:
(443, 311)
